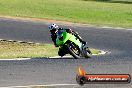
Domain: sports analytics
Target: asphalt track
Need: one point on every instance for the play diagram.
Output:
(42, 71)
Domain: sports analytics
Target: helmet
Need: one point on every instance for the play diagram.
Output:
(53, 26)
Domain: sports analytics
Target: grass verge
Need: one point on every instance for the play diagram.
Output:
(97, 12)
(24, 50)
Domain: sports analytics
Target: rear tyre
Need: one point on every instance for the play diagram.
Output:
(87, 52)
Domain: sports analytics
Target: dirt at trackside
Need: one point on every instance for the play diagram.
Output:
(45, 20)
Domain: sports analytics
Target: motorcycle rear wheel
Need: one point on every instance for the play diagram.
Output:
(87, 52)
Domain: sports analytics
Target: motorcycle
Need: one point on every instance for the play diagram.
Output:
(69, 44)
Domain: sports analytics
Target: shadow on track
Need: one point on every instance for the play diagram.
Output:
(42, 58)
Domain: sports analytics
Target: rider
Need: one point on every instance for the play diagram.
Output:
(54, 28)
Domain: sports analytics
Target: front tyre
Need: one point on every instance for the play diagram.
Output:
(74, 50)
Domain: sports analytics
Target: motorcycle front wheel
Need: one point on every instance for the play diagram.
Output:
(74, 50)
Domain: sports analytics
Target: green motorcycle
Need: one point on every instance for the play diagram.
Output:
(69, 44)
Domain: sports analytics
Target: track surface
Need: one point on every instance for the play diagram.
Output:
(63, 71)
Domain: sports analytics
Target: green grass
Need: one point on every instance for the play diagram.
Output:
(24, 50)
(95, 51)
(95, 12)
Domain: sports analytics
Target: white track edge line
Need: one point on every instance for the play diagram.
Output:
(102, 53)
(48, 85)
(15, 59)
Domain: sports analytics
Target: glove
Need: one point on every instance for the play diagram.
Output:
(69, 30)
